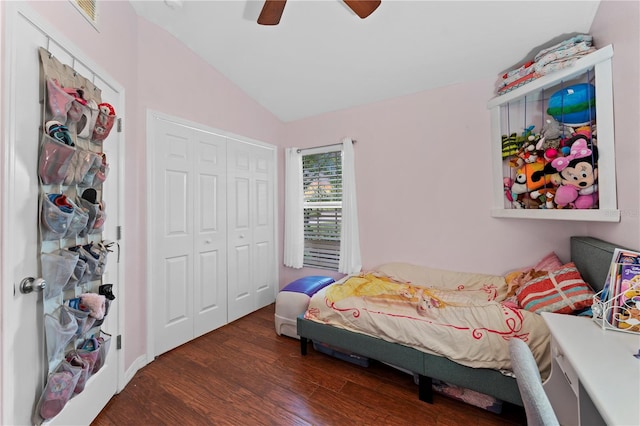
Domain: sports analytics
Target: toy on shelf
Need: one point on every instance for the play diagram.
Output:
(556, 168)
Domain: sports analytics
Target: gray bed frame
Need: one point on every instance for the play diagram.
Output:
(592, 258)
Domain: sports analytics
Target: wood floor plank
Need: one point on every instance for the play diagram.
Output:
(245, 374)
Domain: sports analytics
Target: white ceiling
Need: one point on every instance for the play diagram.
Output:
(322, 57)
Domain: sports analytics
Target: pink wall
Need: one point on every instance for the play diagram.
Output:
(423, 168)
(618, 23)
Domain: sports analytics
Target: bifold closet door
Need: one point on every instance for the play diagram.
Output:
(189, 285)
(251, 225)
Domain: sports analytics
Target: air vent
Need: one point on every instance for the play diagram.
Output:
(89, 9)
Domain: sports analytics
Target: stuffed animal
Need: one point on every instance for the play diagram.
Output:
(94, 303)
(579, 174)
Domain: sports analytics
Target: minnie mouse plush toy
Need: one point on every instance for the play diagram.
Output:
(579, 174)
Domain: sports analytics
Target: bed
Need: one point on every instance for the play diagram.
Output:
(590, 256)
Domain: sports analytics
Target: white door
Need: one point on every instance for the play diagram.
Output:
(251, 240)
(23, 354)
(188, 245)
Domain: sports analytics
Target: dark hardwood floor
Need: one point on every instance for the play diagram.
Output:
(245, 374)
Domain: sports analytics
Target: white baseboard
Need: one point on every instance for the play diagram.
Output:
(140, 362)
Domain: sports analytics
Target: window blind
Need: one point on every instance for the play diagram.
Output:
(322, 185)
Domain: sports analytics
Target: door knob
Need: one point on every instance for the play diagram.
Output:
(30, 284)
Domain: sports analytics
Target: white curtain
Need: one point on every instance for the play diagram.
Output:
(293, 206)
(350, 261)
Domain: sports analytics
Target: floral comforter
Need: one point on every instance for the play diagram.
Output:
(467, 324)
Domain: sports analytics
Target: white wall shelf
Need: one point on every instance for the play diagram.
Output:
(514, 111)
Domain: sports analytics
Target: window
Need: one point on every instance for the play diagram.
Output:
(322, 186)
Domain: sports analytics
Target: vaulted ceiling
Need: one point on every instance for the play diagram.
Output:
(321, 57)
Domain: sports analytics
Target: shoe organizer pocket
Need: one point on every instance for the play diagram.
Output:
(78, 221)
(57, 268)
(89, 350)
(105, 344)
(90, 176)
(58, 333)
(55, 160)
(92, 211)
(95, 257)
(101, 217)
(77, 361)
(58, 100)
(59, 389)
(85, 322)
(55, 216)
(79, 276)
(81, 163)
(103, 171)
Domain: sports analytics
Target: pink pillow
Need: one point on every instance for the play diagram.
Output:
(550, 262)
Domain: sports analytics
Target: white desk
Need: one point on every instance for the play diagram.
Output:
(595, 379)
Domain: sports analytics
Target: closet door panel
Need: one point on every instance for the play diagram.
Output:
(173, 205)
(239, 283)
(263, 225)
(210, 236)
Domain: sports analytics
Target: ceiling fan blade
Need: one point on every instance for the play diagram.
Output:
(271, 12)
(363, 8)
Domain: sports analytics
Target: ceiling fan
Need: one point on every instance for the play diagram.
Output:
(272, 9)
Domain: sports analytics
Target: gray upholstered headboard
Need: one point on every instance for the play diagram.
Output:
(593, 259)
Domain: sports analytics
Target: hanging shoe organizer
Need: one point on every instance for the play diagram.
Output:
(72, 168)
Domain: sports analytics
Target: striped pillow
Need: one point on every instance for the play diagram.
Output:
(561, 291)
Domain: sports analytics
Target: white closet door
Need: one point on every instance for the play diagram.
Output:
(241, 298)
(210, 239)
(189, 281)
(251, 266)
(172, 283)
(264, 226)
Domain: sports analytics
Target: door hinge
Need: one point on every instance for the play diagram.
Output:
(119, 125)
(119, 341)
(118, 233)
